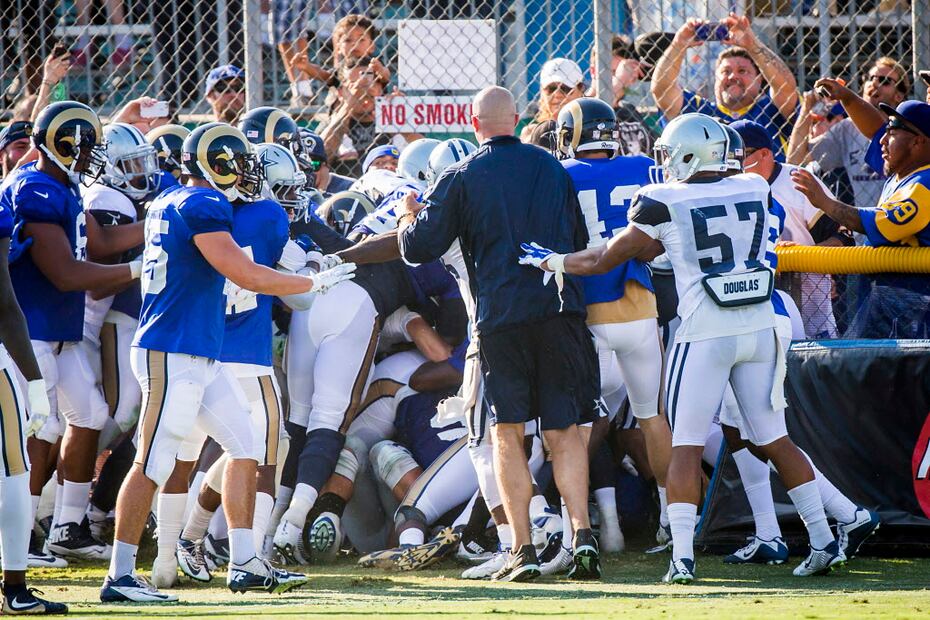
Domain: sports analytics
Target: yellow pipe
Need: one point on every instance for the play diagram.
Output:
(861, 259)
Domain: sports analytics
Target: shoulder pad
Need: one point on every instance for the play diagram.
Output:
(648, 211)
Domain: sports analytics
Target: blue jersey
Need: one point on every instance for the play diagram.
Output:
(35, 197)
(903, 213)
(166, 180)
(777, 217)
(6, 221)
(260, 229)
(183, 305)
(417, 430)
(605, 189)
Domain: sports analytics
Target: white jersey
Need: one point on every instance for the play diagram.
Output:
(714, 235)
(455, 263)
(121, 210)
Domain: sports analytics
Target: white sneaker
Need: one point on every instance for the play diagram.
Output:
(326, 535)
(821, 561)
(287, 542)
(165, 572)
(45, 560)
(488, 568)
(610, 539)
(559, 564)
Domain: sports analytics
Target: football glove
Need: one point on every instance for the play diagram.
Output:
(325, 280)
(39, 407)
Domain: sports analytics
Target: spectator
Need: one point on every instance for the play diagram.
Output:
(37, 19)
(804, 225)
(382, 157)
(14, 143)
(53, 71)
(121, 56)
(544, 136)
(290, 18)
(925, 76)
(738, 85)
(225, 91)
(843, 146)
(897, 305)
(323, 178)
(560, 81)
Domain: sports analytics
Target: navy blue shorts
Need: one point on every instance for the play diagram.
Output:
(546, 370)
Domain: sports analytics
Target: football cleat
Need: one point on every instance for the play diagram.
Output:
(544, 527)
(430, 552)
(474, 552)
(191, 560)
(850, 536)
(73, 540)
(487, 569)
(287, 542)
(258, 574)
(586, 560)
(680, 571)
(759, 551)
(165, 573)
(385, 559)
(28, 603)
(664, 538)
(132, 588)
(559, 564)
(325, 535)
(522, 566)
(215, 552)
(821, 561)
(45, 560)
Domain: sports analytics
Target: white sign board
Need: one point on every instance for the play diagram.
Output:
(423, 114)
(454, 54)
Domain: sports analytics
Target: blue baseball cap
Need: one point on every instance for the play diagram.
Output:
(223, 72)
(17, 130)
(753, 134)
(313, 144)
(914, 113)
(379, 151)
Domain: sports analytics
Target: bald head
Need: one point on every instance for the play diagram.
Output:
(494, 113)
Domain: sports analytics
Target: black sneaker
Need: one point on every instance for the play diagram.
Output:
(586, 560)
(28, 603)
(520, 566)
(74, 540)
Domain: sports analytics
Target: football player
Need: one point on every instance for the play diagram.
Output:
(712, 228)
(50, 279)
(168, 141)
(186, 391)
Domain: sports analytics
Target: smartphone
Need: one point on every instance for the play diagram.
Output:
(158, 109)
(60, 49)
(823, 92)
(711, 31)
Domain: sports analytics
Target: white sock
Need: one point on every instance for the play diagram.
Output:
(123, 560)
(15, 520)
(835, 504)
(568, 533)
(56, 511)
(806, 499)
(411, 536)
(74, 500)
(281, 503)
(219, 527)
(241, 545)
(663, 506)
(301, 503)
(35, 506)
(756, 482)
(197, 522)
(606, 499)
(681, 519)
(171, 508)
(264, 504)
(193, 492)
(304, 88)
(505, 536)
(538, 506)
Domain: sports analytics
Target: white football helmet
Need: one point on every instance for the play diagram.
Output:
(285, 182)
(691, 143)
(132, 163)
(414, 159)
(446, 154)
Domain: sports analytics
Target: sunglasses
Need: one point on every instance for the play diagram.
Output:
(885, 80)
(231, 86)
(896, 122)
(749, 152)
(562, 88)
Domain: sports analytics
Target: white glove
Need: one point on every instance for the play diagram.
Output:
(325, 280)
(135, 269)
(293, 258)
(395, 326)
(39, 407)
(324, 261)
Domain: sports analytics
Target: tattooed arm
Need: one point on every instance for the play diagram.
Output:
(783, 88)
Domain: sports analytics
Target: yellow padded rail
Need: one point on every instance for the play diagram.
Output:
(861, 259)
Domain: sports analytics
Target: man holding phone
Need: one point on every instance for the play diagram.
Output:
(741, 69)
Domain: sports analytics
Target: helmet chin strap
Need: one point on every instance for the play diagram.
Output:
(73, 176)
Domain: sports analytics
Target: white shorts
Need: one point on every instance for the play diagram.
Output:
(120, 387)
(449, 481)
(184, 399)
(261, 390)
(12, 418)
(638, 351)
(375, 419)
(329, 358)
(698, 375)
(69, 373)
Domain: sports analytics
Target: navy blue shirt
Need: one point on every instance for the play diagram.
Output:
(506, 194)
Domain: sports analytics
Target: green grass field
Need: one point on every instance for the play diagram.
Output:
(887, 588)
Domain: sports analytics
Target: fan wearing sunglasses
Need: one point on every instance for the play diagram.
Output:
(560, 81)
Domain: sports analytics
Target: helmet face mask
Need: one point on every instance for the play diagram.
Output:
(284, 181)
(690, 144)
(69, 135)
(168, 141)
(132, 163)
(219, 154)
(587, 124)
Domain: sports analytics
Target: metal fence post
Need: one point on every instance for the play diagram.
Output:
(602, 38)
(920, 31)
(252, 46)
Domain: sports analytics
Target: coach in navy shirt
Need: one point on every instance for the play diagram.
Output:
(538, 357)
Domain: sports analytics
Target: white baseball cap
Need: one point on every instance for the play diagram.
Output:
(562, 71)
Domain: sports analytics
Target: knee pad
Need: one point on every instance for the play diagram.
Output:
(391, 462)
(409, 513)
(319, 456)
(214, 477)
(347, 464)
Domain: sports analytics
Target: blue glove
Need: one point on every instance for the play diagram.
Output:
(535, 254)
(18, 246)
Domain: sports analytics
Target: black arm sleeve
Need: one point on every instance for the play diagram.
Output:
(826, 227)
(328, 239)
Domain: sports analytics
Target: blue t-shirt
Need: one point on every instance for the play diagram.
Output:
(605, 190)
(260, 228)
(417, 431)
(763, 111)
(183, 305)
(35, 197)
(6, 221)
(873, 155)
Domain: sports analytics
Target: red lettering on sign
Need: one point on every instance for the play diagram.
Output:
(400, 113)
(448, 113)
(433, 113)
(387, 117)
(920, 468)
(418, 114)
(464, 113)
